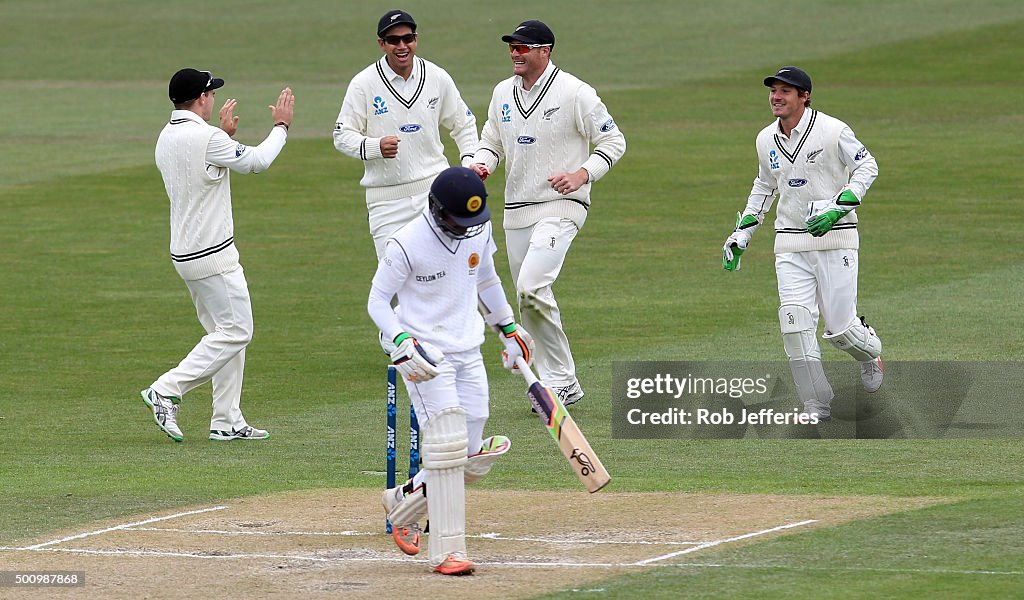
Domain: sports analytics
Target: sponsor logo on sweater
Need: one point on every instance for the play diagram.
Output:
(526, 140)
(409, 128)
(506, 113)
(773, 160)
(431, 277)
(861, 154)
(608, 126)
(380, 107)
(795, 183)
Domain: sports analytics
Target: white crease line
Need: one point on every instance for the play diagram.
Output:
(482, 536)
(124, 526)
(725, 541)
(516, 564)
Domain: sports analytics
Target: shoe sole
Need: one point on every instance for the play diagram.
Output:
(406, 548)
(152, 410)
(233, 438)
(466, 568)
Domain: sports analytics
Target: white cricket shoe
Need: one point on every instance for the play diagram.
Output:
(871, 374)
(813, 409)
(570, 394)
(245, 433)
(165, 412)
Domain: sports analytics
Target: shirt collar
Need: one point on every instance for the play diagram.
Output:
(390, 73)
(177, 115)
(800, 127)
(540, 80)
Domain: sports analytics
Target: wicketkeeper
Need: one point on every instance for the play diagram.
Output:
(441, 267)
(820, 173)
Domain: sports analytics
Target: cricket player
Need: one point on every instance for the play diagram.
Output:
(442, 270)
(820, 173)
(391, 119)
(195, 160)
(543, 121)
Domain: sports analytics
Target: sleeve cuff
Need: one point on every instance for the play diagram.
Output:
(597, 167)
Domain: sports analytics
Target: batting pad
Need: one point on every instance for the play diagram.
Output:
(479, 465)
(444, 460)
(411, 508)
(797, 326)
(858, 341)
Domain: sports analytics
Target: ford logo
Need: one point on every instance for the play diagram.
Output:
(525, 139)
(409, 128)
(797, 182)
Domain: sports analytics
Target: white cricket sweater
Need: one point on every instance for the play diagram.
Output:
(544, 131)
(374, 108)
(194, 159)
(820, 156)
(436, 280)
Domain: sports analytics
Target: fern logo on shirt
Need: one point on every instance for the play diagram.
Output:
(380, 107)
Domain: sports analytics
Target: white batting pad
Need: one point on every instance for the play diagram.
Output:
(858, 341)
(797, 326)
(408, 509)
(480, 463)
(444, 459)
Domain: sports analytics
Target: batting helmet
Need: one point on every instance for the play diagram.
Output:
(458, 203)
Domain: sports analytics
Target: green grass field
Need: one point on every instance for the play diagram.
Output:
(92, 310)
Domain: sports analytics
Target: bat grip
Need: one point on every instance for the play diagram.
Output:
(525, 371)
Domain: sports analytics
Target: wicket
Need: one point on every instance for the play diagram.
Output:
(392, 428)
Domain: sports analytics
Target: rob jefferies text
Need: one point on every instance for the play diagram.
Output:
(737, 400)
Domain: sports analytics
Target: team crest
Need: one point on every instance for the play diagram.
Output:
(474, 260)
(474, 203)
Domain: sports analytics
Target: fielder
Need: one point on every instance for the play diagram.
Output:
(820, 173)
(391, 119)
(543, 121)
(441, 268)
(195, 160)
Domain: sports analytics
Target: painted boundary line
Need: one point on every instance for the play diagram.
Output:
(480, 536)
(119, 527)
(725, 541)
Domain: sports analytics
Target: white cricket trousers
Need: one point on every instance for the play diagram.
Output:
(536, 255)
(388, 216)
(223, 307)
(825, 279)
(461, 381)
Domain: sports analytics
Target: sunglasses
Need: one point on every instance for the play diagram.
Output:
(394, 40)
(525, 48)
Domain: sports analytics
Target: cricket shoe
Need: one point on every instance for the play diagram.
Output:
(813, 409)
(455, 564)
(165, 412)
(871, 374)
(570, 394)
(245, 433)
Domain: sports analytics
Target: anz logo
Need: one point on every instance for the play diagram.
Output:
(506, 113)
(409, 128)
(526, 140)
(773, 160)
(380, 107)
(795, 183)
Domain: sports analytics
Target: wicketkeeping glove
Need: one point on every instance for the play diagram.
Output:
(518, 342)
(416, 361)
(736, 243)
(824, 215)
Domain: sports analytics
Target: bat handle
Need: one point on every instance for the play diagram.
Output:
(525, 371)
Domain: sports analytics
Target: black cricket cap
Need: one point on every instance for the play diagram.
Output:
(793, 76)
(189, 84)
(392, 18)
(462, 195)
(531, 32)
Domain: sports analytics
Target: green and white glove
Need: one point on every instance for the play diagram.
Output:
(823, 217)
(736, 243)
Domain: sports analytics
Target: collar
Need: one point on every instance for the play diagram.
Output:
(177, 115)
(800, 127)
(540, 80)
(392, 75)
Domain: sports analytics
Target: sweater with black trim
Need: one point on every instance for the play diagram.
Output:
(543, 131)
(812, 165)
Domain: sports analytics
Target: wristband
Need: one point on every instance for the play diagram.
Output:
(401, 338)
(508, 329)
(281, 123)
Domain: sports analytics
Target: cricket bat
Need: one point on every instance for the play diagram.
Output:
(571, 442)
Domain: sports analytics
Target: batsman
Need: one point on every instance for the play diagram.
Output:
(819, 172)
(440, 265)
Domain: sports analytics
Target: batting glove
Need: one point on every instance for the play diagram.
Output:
(518, 342)
(416, 361)
(822, 217)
